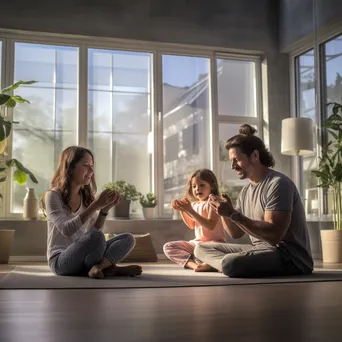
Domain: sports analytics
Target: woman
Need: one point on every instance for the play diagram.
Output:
(76, 244)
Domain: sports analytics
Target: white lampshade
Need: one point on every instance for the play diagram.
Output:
(297, 136)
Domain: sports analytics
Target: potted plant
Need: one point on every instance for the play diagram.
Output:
(6, 124)
(148, 203)
(329, 174)
(20, 174)
(128, 193)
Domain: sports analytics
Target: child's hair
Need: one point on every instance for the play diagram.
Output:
(204, 175)
(61, 179)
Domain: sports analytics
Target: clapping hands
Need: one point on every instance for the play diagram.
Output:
(108, 199)
(222, 205)
(183, 205)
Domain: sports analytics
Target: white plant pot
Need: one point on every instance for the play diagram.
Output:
(148, 213)
(331, 245)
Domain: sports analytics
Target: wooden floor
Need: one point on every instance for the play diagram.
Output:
(276, 312)
(280, 312)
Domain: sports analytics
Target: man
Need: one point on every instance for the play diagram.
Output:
(269, 209)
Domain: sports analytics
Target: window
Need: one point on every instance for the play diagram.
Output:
(186, 121)
(236, 83)
(329, 66)
(237, 104)
(150, 117)
(49, 123)
(119, 116)
(306, 107)
(333, 70)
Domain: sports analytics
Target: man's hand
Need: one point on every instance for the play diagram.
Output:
(222, 205)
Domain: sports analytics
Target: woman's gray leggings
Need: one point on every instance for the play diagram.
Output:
(89, 250)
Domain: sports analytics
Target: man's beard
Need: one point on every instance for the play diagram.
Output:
(241, 173)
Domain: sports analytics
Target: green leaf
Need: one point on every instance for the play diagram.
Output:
(2, 133)
(22, 169)
(19, 99)
(17, 85)
(336, 108)
(20, 177)
(4, 98)
(11, 103)
(33, 178)
(333, 134)
(5, 128)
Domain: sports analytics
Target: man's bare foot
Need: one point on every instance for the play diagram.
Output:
(95, 273)
(125, 271)
(204, 268)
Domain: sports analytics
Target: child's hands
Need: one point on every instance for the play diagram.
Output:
(183, 205)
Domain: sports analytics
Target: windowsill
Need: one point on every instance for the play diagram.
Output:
(309, 218)
(137, 219)
(316, 218)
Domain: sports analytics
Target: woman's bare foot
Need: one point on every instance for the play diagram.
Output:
(125, 271)
(204, 268)
(95, 273)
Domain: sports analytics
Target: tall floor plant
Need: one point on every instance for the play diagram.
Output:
(329, 171)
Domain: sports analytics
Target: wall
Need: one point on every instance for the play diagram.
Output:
(297, 18)
(243, 24)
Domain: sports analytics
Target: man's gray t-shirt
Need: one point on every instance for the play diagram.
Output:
(277, 192)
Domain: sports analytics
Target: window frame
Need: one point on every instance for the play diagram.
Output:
(318, 47)
(157, 49)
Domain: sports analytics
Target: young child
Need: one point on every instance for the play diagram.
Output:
(76, 245)
(198, 215)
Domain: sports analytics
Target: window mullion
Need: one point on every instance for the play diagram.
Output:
(321, 111)
(8, 79)
(158, 136)
(214, 140)
(82, 132)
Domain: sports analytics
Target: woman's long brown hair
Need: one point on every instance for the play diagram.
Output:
(62, 177)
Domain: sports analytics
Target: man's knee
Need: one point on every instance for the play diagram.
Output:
(233, 265)
(200, 251)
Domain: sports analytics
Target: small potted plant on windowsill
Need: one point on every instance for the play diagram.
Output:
(128, 194)
(329, 173)
(148, 203)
